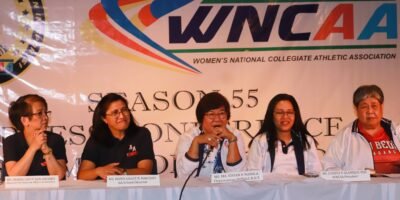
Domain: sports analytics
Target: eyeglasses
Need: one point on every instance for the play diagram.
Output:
(115, 113)
(41, 114)
(282, 113)
(213, 115)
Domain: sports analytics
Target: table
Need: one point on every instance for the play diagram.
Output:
(273, 187)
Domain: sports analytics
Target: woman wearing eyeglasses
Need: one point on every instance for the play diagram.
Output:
(33, 150)
(117, 145)
(283, 145)
(369, 142)
(213, 138)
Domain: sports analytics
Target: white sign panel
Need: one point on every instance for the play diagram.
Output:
(133, 180)
(237, 176)
(31, 182)
(348, 175)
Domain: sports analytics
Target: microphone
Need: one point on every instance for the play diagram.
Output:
(202, 162)
(208, 148)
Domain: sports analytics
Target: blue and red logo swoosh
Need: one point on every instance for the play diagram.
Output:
(101, 13)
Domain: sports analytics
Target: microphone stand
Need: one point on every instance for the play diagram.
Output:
(191, 174)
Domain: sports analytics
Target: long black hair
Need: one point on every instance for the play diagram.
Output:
(268, 126)
(100, 130)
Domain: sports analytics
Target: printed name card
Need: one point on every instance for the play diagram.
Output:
(237, 176)
(31, 182)
(133, 180)
(350, 175)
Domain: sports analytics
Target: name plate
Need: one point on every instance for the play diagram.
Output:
(237, 176)
(350, 175)
(133, 180)
(31, 182)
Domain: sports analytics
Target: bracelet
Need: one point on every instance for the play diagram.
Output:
(232, 140)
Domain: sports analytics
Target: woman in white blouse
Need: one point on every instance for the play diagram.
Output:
(213, 140)
(283, 145)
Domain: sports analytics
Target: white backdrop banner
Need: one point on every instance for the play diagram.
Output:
(163, 55)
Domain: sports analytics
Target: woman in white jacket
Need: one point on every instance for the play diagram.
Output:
(283, 145)
(213, 139)
(369, 142)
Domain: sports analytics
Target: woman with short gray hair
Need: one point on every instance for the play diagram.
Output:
(370, 142)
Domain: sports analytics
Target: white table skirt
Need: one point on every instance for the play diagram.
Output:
(272, 188)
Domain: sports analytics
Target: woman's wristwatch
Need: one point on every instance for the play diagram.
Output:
(234, 139)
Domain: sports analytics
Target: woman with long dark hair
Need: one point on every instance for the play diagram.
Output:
(117, 145)
(283, 145)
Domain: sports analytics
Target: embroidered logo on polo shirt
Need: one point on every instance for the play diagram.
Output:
(132, 151)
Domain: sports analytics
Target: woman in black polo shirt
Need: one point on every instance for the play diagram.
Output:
(116, 145)
(33, 150)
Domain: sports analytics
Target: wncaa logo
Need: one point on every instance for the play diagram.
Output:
(261, 25)
(200, 27)
(15, 58)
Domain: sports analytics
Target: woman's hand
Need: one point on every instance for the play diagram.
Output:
(210, 139)
(110, 169)
(39, 139)
(224, 133)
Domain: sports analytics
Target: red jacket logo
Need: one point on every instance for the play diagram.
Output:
(132, 151)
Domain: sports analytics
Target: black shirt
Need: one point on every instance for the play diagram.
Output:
(133, 148)
(15, 146)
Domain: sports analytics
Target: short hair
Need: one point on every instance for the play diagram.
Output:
(22, 107)
(366, 91)
(210, 101)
